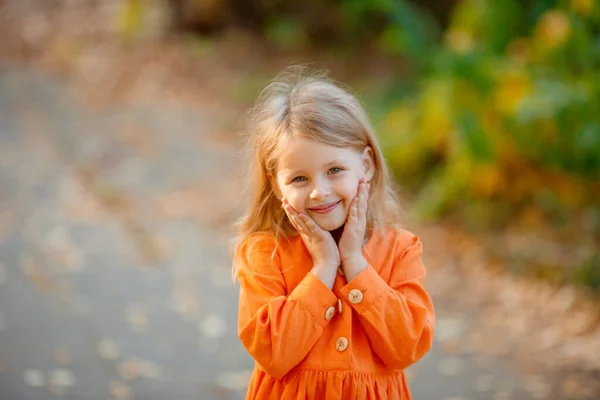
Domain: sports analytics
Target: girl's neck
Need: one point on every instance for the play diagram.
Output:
(337, 233)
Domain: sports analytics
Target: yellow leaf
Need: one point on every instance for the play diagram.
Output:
(130, 17)
(436, 114)
(504, 145)
(519, 50)
(512, 88)
(583, 7)
(459, 40)
(460, 167)
(400, 120)
(486, 179)
(553, 29)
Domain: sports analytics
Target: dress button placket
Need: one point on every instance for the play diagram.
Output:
(341, 344)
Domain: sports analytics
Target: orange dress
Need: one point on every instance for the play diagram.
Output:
(352, 342)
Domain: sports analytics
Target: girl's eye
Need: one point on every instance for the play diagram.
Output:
(299, 179)
(335, 170)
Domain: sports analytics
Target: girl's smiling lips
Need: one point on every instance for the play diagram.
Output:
(325, 208)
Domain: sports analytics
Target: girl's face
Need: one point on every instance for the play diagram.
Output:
(322, 180)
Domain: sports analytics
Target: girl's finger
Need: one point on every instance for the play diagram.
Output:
(354, 209)
(360, 183)
(310, 224)
(299, 222)
(315, 229)
(364, 197)
(303, 228)
(288, 208)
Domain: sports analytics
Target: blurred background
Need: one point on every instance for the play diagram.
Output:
(121, 126)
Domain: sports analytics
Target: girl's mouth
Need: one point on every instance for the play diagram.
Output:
(325, 208)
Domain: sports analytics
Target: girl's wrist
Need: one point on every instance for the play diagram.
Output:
(353, 265)
(325, 266)
(326, 273)
(351, 258)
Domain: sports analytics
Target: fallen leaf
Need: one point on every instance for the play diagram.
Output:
(34, 377)
(107, 349)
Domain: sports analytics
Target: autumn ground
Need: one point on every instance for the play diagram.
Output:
(120, 178)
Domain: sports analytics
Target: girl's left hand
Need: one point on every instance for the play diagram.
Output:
(351, 242)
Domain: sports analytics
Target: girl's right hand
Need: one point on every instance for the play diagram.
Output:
(319, 242)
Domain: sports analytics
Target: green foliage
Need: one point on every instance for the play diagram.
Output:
(504, 123)
(286, 33)
(396, 26)
(589, 274)
(508, 107)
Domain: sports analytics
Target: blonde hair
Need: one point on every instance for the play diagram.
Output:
(301, 103)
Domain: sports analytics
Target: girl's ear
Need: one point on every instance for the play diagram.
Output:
(368, 163)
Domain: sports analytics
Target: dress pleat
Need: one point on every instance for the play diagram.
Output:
(327, 385)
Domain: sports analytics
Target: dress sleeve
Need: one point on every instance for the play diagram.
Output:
(277, 328)
(398, 316)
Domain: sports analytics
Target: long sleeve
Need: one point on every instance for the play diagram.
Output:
(277, 329)
(398, 317)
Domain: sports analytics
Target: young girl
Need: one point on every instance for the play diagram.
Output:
(331, 304)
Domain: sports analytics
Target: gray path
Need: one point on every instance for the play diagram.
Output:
(105, 291)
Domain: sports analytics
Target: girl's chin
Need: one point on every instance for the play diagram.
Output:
(330, 226)
(332, 221)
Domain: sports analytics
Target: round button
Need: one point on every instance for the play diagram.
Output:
(341, 344)
(355, 296)
(329, 313)
(340, 306)
(341, 271)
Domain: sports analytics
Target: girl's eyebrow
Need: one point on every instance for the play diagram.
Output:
(290, 171)
(334, 162)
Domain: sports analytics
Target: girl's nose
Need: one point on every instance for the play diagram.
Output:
(320, 191)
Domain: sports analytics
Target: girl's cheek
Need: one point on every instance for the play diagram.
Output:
(297, 204)
(355, 190)
(352, 188)
(293, 197)
(285, 192)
